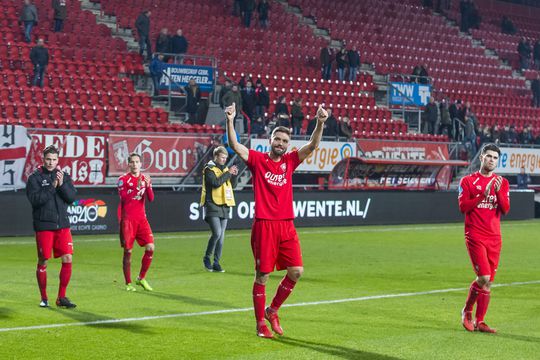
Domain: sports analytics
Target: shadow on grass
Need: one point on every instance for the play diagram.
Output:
(276, 275)
(187, 299)
(334, 350)
(89, 319)
(532, 339)
(5, 313)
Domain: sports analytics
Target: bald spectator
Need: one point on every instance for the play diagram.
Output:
(40, 59)
(179, 43)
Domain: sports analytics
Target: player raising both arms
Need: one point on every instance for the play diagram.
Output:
(133, 188)
(274, 240)
(483, 197)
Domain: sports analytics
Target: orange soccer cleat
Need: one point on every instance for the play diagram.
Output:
(272, 316)
(483, 327)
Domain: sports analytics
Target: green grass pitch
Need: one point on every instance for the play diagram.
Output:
(187, 316)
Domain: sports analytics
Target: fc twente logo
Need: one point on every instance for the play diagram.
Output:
(283, 167)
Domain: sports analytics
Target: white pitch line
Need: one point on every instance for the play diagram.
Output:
(300, 231)
(228, 311)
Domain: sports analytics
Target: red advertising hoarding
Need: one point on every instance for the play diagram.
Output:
(162, 155)
(82, 154)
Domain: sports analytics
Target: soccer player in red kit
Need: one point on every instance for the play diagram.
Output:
(274, 240)
(483, 197)
(133, 188)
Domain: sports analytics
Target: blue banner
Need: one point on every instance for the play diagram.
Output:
(181, 74)
(409, 94)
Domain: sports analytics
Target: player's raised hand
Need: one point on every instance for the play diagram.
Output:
(488, 187)
(230, 112)
(322, 114)
(498, 183)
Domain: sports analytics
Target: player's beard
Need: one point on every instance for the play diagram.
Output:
(278, 151)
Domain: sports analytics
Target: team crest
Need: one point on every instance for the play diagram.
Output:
(478, 187)
(283, 167)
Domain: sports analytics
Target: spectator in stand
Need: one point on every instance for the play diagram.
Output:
(523, 180)
(446, 120)
(455, 109)
(311, 126)
(193, 100)
(237, 8)
(470, 137)
(331, 127)
(504, 137)
(354, 62)
(535, 88)
(60, 14)
(464, 9)
(258, 127)
(526, 136)
(326, 63)
(420, 74)
(244, 80)
(430, 116)
(224, 90)
(29, 18)
(342, 61)
(142, 24)
(262, 10)
(297, 116)
(179, 43)
(485, 136)
(163, 41)
(262, 99)
(282, 120)
(345, 128)
(249, 6)
(507, 26)
(512, 135)
(234, 96)
(156, 71)
(524, 51)
(281, 107)
(248, 102)
(40, 59)
(496, 134)
(536, 54)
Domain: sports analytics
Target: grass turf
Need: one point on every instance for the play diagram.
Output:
(340, 263)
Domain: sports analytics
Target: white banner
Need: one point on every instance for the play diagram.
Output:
(513, 159)
(14, 145)
(322, 160)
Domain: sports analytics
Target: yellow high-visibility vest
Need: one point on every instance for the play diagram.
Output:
(222, 195)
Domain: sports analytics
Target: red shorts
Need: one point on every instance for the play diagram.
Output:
(58, 240)
(135, 230)
(275, 244)
(484, 255)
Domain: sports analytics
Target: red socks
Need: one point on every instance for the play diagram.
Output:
(482, 305)
(473, 295)
(259, 301)
(126, 266)
(145, 264)
(65, 275)
(41, 275)
(283, 291)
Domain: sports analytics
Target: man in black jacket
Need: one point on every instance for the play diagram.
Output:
(179, 43)
(354, 63)
(60, 14)
(50, 191)
(142, 24)
(40, 59)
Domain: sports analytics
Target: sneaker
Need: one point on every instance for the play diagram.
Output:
(272, 316)
(466, 320)
(207, 265)
(130, 287)
(144, 284)
(217, 268)
(264, 332)
(65, 303)
(44, 303)
(483, 327)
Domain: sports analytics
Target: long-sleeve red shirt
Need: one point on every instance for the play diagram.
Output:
(132, 191)
(483, 214)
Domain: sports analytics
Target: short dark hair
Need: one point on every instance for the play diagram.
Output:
(491, 147)
(132, 155)
(51, 149)
(282, 129)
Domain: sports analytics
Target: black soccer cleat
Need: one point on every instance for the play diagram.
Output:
(65, 303)
(217, 268)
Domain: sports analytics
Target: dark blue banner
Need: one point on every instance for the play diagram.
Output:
(181, 74)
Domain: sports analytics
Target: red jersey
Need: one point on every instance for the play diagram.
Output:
(482, 214)
(132, 192)
(272, 184)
